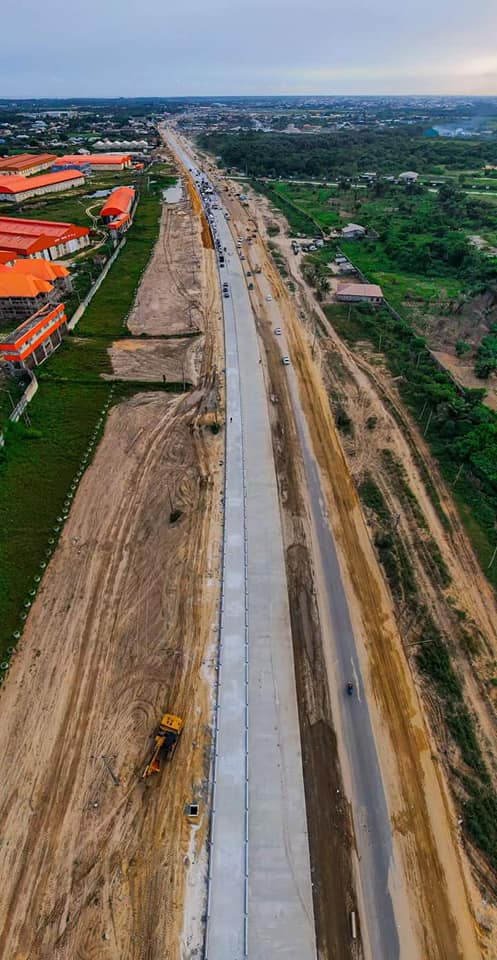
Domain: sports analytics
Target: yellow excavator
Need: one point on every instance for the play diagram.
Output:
(165, 742)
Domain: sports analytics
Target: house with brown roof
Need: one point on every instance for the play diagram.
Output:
(360, 292)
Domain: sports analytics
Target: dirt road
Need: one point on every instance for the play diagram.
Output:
(95, 863)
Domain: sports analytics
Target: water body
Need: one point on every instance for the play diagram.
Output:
(97, 194)
(173, 194)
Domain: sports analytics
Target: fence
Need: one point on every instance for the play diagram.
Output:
(20, 407)
(76, 317)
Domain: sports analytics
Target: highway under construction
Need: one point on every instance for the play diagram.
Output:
(223, 754)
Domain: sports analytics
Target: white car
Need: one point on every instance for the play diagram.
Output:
(285, 361)
(278, 331)
(269, 297)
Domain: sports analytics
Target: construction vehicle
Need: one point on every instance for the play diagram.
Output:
(165, 742)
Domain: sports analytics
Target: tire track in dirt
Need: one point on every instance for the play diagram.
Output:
(120, 631)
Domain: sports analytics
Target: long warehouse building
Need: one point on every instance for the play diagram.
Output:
(97, 161)
(16, 188)
(26, 164)
(40, 238)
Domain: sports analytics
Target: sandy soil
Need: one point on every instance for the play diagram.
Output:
(96, 863)
(169, 300)
(434, 880)
(175, 360)
(115, 637)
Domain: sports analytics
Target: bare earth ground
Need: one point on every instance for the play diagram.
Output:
(422, 819)
(173, 305)
(121, 630)
(175, 360)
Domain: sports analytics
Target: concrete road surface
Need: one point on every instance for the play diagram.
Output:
(277, 919)
(373, 830)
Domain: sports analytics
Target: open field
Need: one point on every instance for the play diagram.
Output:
(115, 638)
(169, 360)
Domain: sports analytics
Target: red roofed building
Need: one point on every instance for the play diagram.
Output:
(97, 161)
(26, 163)
(16, 188)
(120, 201)
(41, 238)
(116, 211)
(35, 339)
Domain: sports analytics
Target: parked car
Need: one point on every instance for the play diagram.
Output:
(269, 297)
(285, 361)
(278, 331)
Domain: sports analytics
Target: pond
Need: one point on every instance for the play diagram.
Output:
(173, 194)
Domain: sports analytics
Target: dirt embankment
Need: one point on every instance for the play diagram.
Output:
(95, 863)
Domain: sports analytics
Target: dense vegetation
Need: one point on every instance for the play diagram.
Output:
(427, 233)
(345, 152)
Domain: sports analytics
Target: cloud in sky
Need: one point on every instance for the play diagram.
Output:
(214, 47)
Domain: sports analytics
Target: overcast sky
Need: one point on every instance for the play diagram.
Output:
(213, 47)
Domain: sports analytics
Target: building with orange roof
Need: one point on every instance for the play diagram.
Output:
(35, 339)
(16, 188)
(53, 273)
(97, 161)
(117, 211)
(118, 203)
(6, 256)
(41, 238)
(21, 295)
(26, 163)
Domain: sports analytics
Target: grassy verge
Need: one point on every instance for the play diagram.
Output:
(300, 222)
(38, 465)
(458, 428)
(110, 306)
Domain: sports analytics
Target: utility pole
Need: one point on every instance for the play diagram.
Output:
(492, 558)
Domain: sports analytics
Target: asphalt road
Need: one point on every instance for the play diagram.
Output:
(277, 916)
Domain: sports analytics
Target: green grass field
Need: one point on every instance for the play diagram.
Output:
(38, 464)
(312, 201)
(70, 206)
